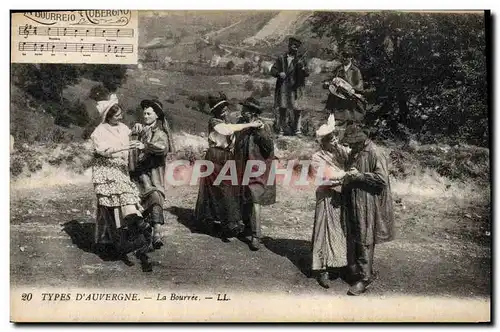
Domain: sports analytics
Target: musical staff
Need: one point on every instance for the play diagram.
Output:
(76, 47)
(28, 30)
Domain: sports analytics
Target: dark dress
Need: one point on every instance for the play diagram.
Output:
(218, 202)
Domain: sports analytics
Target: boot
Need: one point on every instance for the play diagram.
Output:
(157, 219)
(254, 244)
(323, 279)
(146, 265)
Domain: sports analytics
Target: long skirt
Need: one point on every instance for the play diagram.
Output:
(109, 230)
(329, 247)
(217, 203)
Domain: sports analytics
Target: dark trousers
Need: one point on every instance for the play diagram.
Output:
(360, 259)
(251, 220)
(282, 120)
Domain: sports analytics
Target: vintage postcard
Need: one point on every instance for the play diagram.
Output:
(250, 166)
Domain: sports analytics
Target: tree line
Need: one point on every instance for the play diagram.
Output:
(426, 73)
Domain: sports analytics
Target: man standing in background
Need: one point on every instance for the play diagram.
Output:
(291, 71)
(345, 99)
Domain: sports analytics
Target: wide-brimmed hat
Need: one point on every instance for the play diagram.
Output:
(252, 104)
(104, 106)
(327, 128)
(354, 133)
(217, 102)
(155, 104)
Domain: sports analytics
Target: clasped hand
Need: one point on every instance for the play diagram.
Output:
(136, 145)
(257, 124)
(353, 174)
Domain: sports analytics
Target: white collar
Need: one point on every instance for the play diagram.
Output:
(346, 68)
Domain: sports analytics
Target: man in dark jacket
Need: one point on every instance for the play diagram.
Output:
(345, 101)
(291, 71)
(252, 147)
(367, 208)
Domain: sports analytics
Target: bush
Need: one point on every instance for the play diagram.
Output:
(230, 65)
(266, 90)
(248, 67)
(249, 85)
(99, 92)
(201, 102)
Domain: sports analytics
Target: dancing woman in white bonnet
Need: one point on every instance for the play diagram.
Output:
(329, 249)
(119, 221)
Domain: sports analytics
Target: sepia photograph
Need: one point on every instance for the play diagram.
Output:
(250, 166)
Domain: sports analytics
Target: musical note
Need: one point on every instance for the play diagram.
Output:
(34, 30)
(53, 48)
(65, 46)
(87, 32)
(35, 46)
(103, 32)
(117, 32)
(65, 31)
(109, 48)
(93, 46)
(76, 31)
(81, 48)
(122, 49)
(41, 47)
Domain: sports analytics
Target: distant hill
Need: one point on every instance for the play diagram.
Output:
(180, 34)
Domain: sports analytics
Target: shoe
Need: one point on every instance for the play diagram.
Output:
(125, 259)
(157, 243)
(323, 280)
(254, 244)
(233, 229)
(145, 263)
(359, 287)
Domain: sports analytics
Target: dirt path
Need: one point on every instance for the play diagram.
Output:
(47, 253)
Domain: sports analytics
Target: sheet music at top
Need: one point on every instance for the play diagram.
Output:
(83, 36)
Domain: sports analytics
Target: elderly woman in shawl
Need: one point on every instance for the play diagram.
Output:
(329, 249)
(218, 205)
(119, 220)
(147, 163)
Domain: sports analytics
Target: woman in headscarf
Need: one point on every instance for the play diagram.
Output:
(219, 205)
(119, 220)
(147, 164)
(329, 248)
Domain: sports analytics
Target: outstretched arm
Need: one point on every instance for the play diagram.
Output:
(230, 128)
